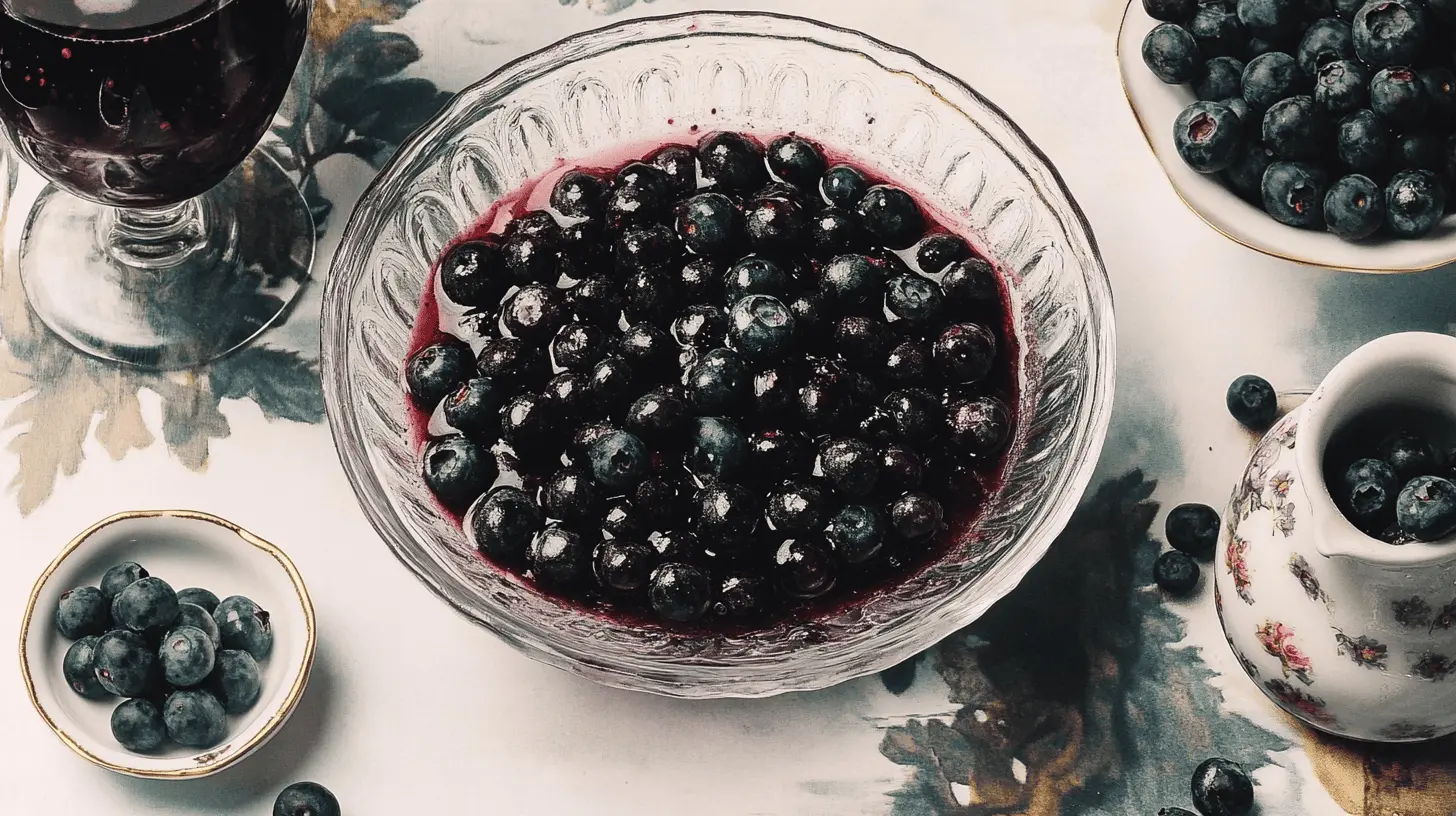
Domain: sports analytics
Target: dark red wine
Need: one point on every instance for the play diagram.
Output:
(143, 103)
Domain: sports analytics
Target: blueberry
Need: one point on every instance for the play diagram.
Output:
(81, 612)
(623, 566)
(1221, 787)
(1415, 200)
(1171, 53)
(194, 719)
(619, 460)
(656, 503)
(1409, 455)
(1208, 136)
(1389, 32)
(1294, 194)
(647, 247)
(890, 216)
(639, 195)
(971, 282)
(1252, 402)
(914, 299)
(596, 299)
(754, 276)
(1249, 122)
(680, 592)
(79, 669)
(306, 799)
(733, 162)
(727, 514)
(474, 408)
(978, 426)
(863, 341)
(676, 546)
(1378, 470)
(710, 224)
(1398, 95)
(649, 350)
(774, 224)
(1363, 141)
(244, 625)
(1296, 129)
(658, 416)
(457, 471)
(1326, 40)
(147, 605)
(811, 319)
(717, 384)
(1176, 573)
(843, 186)
(775, 392)
(1270, 19)
(798, 161)
(796, 507)
(1220, 78)
(649, 296)
(124, 663)
(916, 516)
(199, 596)
(1419, 150)
(1342, 86)
(1257, 48)
(611, 383)
(137, 725)
(583, 248)
(908, 363)
(1172, 11)
(512, 363)
(717, 450)
(850, 465)
(1246, 174)
(187, 655)
(701, 326)
(1371, 503)
(939, 251)
(964, 353)
(192, 615)
(579, 194)
(473, 274)
(901, 469)
(1271, 77)
(1217, 30)
(235, 681)
(559, 558)
(851, 282)
(570, 494)
(833, 232)
(622, 521)
(531, 249)
(1440, 87)
(856, 533)
(533, 313)
(1347, 9)
(679, 166)
(1355, 208)
(567, 397)
(1193, 529)
(916, 415)
(804, 568)
(742, 595)
(434, 371)
(778, 453)
(760, 327)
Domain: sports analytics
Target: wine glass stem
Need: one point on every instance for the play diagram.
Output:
(158, 238)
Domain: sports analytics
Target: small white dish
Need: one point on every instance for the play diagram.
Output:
(186, 549)
(1156, 104)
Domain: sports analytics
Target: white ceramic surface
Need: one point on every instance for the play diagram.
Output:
(1156, 105)
(1352, 635)
(186, 550)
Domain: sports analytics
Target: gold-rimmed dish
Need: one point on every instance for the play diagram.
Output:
(1155, 105)
(186, 549)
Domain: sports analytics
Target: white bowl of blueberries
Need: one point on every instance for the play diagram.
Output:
(167, 644)
(1318, 131)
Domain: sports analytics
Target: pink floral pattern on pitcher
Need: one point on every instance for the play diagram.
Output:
(1233, 559)
(1278, 640)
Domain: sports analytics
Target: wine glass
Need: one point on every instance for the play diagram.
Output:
(164, 239)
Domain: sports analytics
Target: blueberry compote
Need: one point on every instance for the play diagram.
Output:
(1390, 473)
(142, 103)
(716, 388)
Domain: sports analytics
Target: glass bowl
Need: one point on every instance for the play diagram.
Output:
(647, 82)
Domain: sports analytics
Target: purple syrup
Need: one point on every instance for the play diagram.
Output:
(144, 103)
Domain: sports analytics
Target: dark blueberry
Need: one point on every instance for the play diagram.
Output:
(727, 514)
(1246, 174)
(1171, 53)
(648, 247)
(774, 224)
(1419, 150)
(796, 507)
(1176, 573)
(913, 298)
(742, 595)
(971, 282)
(658, 416)
(760, 327)
(579, 194)
(137, 725)
(916, 516)
(192, 615)
(676, 545)
(623, 521)
(1347, 9)
(1252, 402)
(1258, 48)
(82, 611)
(531, 249)
(623, 566)
(811, 319)
(1220, 78)
(717, 384)
(775, 392)
(147, 605)
(710, 224)
(1249, 122)
(244, 625)
(1342, 86)
(1296, 129)
(1193, 529)
(834, 232)
(1355, 208)
(1398, 95)
(1171, 11)
(1371, 503)
(804, 568)
(306, 799)
(194, 719)
(856, 533)
(529, 426)
(1379, 471)
(852, 282)
(119, 577)
(656, 502)
(474, 408)
(680, 167)
(1415, 200)
(717, 449)
(1363, 141)
(733, 162)
(534, 312)
(776, 454)
(474, 275)
(570, 495)
(891, 217)
(79, 669)
(584, 436)
(843, 186)
(878, 428)
(979, 426)
(618, 460)
(1270, 19)
(597, 299)
(754, 276)
(639, 195)
(964, 353)
(1389, 32)
(1270, 78)
(579, 346)
(680, 592)
(457, 471)
(850, 465)
(1440, 87)
(649, 349)
(822, 403)
(235, 681)
(196, 595)
(917, 416)
(701, 326)
(124, 663)
(559, 558)
(908, 363)
(650, 296)
(953, 473)
(187, 656)
(505, 523)
(863, 341)
(567, 396)
(611, 383)
(1327, 40)
(1294, 194)
(798, 161)
(1217, 30)
(940, 251)
(1221, 787)
(901, 469)
(1409, 455)
(436, 370)
(583, 249)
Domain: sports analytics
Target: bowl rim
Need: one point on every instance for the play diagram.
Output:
(221, 759)
(1133, 6)
(1001, 577)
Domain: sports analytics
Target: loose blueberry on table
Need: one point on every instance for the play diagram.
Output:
(774, 385)
(1389, 474)
(306, 799)
(1342, 118)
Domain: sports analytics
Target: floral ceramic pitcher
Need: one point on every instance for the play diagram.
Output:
(1350, 634)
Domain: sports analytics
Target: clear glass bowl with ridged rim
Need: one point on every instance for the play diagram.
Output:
(653, 81)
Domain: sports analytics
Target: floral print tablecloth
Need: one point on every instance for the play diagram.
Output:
(1084, 692)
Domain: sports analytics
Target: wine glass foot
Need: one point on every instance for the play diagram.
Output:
(173, 288)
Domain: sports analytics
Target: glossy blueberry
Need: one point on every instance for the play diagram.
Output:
(953, 473)
(649, 350)
(891, 217)
(235, 681)
(754, 276)
(1221, 787)
(710, 224)
(850, 465)
(970, 283)
(916, 516)
(197, 595)
(79, 669)
(639, 195)
(146, 605)
(823, 403)
(647, 247)
(1355, 208)
(843, 186)
(623, 566)
(701, 326)
(1176, 573)
(1246, 173)
(774, 225)
(579, 194)
(1342, 87)
(964, 352)
(804, 568)
(81, 612)
(863, 341)
(760, 327)
(137, 726)
(939, 251)
(1171, 53)
(124, 663)
(611, 383)
(1171, 11)
(677, 545)
(775, 392)
(779, 453)
(584, 249)
(851, 282)
(914, 299)
(717, 448)
(1327, 40)
(742, 595)
(1398, 95)
(1419, 149)
(1269, 78)
(680, 592)
(1389, 32)
(733, 162)
(1193, 529)
(657, 503)
(534, 312)
(1409, 455)
(190, 614)
(473, 274)
(1415, 201)
(1440, 86)
(679, 165)
(796, 507)
(727, 514)
(901, 469)
(244, 625)
(571, 495)
(187, 656)
(474, 408)
(1296, 129)
(717, 384)
(649, 296)
(1294, 194)
(619, 461)
(306, 799)
(659, 416)
(622, 521)
(856, 533)
(559, 558)
(596, 299)
(979, 426)
(531, 247)
(1363, 141)
(798, 161)
(916, 415)
(567, 397)
(194, 718)
(1252, 402)
(834, 232)
(908, 363)
(436, 370)
(457, 471)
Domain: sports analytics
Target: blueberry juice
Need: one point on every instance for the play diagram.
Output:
(716, 388)
(144, 103)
